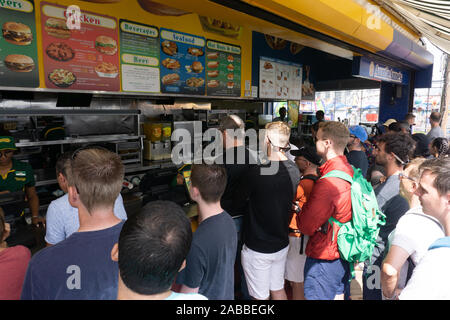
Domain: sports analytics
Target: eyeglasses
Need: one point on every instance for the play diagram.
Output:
(5, 153)
(352, 136)
(402, 175)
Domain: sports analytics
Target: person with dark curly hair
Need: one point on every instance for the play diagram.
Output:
(440, 147)
(393, 151)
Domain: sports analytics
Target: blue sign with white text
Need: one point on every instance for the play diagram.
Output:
(367, 68)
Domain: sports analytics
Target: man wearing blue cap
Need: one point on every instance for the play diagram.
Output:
(356, 155)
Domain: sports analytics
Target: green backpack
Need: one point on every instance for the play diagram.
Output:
(357, 238)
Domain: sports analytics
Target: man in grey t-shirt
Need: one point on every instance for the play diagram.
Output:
(436, 131)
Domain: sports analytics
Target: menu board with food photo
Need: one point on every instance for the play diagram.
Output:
(279, 79)
(182, 63)
(139, 52)
(79, 57)
(18, 50)
(223, 69)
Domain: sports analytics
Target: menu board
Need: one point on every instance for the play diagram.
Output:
(18, 50)
(223, 69)
(182, 63)
(139, 57)
(80, 56)
(279, 79)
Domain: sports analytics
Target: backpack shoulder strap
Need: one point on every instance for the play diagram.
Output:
(440, 243)
(338, 174)
(310, 177)
(429, 218)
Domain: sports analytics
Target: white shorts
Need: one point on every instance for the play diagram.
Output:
(264, 272)
(295, 262)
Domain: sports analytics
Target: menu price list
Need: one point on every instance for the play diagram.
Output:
(81, 57)
(139, 51)
(280, 79)
(223, 69)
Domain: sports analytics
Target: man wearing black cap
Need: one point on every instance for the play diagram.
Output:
(307, 161)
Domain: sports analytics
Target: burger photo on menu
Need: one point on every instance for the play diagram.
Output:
(60, 51)
(17, 33)
(57, 28)
(106, 45)
(19, 63)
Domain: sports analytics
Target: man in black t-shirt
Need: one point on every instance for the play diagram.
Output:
(356, 155)
(270, 188)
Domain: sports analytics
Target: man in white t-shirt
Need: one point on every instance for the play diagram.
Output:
(431, 277)
(62, 218)
(414, 233)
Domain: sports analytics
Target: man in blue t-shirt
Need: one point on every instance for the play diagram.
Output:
(80, 267)
(152, 248)
(210, 262)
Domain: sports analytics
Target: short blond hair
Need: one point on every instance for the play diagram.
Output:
(278, 133)
(413, 168)
(97, 175)
(337, 132)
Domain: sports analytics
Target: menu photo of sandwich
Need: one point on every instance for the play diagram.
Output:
(17, 33)
(19, 63)
(57, 28)
(106, 45)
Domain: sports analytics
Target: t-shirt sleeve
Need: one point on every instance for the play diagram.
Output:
(119, 209)
(193, 274)
(29, 287)
(54, 226)
(405, 235)
(31, 182)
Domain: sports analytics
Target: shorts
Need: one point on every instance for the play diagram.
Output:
(325, 279)
(264, 272)
(295, 262)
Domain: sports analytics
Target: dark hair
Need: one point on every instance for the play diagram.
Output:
(410, 116)
(400, 144)
(152, 247)
(62, 162)
(320, 114)
(435, 116)
(442, 146)
(422, 142)
(210, 179)
(395, 126)
(441, 168)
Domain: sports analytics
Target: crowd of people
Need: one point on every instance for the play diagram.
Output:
(259, 229)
